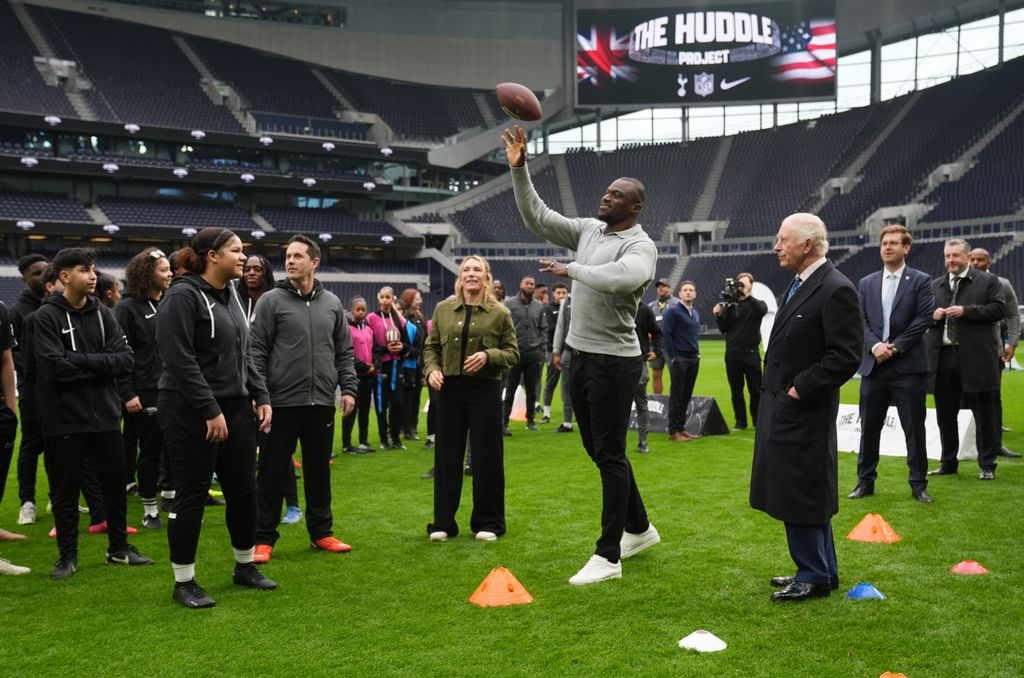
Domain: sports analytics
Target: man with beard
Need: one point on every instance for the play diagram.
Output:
(664, 302)
(531, 335)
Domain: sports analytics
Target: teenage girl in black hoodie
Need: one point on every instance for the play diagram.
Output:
(205, 407)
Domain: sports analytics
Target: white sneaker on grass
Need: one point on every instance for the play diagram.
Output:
(27, 514)
(597, 569)
(483, 535)
(439, 536)
(7, 567)
(632, 544)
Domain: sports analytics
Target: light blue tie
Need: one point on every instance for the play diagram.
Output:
(792, 289)
(888, 294)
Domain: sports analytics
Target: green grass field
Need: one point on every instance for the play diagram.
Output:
(398, 605)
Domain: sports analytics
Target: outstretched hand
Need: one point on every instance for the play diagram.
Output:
(551, 266)
(515, 146)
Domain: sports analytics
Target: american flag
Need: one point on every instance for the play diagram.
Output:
(808, 52)
(601, 56)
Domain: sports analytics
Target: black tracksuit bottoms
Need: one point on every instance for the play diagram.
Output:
(469, 406)
(144, 429)
(65, 457)
(193, 462)
(313, 426)
(30, 450)
(602, 389)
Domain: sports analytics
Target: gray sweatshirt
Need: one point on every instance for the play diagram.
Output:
(609, 275)
(302, 346)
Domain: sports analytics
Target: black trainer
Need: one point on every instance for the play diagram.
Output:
(249, 575)
(190, 594)
(64, 568)
(129, 555)
(151, 522)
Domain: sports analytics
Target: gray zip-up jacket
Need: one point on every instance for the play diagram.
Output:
(301, 345)
(609, 275)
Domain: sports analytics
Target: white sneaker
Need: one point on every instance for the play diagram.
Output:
(27, 515)
(632, 544)
(7, 567)
(597, 569)
(486, 536)
(438, 536)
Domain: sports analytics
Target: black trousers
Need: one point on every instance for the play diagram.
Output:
(193, 462)
(388, 399)
(411, 400)
(146, 433)
(740, 366)
(528, 372)
(602, 389)
(30, 450)
(813, 550)
(683, 369)
(65, 456)
(550, 380)
(469, 406)
(313, 426)
(907, 391)
(361, 414)
(948, 396)
(431, 411)
(8, 432)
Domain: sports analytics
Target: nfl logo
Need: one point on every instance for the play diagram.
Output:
(703, 84)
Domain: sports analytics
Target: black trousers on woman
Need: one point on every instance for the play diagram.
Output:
(388, 399)
(144, 429)
(313, 426)
(193, 462)
(361, 414)
(469, 406)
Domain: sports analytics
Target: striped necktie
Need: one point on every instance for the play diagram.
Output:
(792, 289)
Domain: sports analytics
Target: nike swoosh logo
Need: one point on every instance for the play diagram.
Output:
(729, 85)
(67, 331)
(150, 315)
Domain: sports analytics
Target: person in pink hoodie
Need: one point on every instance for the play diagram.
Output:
(390, 344)
(362, 348)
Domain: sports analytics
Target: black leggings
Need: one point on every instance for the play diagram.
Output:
(363, 392)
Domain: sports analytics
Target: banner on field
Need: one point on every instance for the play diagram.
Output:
(893, 441)
(703, 416)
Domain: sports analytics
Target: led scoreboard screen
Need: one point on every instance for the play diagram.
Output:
(689, 56)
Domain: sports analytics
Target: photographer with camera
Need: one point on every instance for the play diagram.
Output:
(739, 319)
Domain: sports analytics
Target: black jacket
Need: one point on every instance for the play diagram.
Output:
(203, 339)
(741, 324)
(26, 305)
(137, 317)
(78, 355)
(647, 331)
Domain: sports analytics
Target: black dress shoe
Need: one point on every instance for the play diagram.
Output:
(862, 490)
(987, 474)
(780, 582)
(799, 590)
(1005, 452)
(942, 471)
(922, 496)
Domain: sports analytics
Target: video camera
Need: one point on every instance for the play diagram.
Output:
(730, 294)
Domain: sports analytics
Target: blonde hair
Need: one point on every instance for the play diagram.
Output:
(489, 298)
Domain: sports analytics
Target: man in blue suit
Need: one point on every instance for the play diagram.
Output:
(897, 303)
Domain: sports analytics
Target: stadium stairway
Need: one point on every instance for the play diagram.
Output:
(702, 208)
(97, 215)
(485, 111)
(569, 208)
(206, 74)
(858, 163)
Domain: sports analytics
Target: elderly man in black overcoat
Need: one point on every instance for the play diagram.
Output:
(965, 351)
(815, 347)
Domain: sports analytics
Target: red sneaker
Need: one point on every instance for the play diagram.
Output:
(101, 528)
(262, 554)
(330, 544)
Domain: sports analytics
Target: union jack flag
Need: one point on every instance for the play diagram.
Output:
(808, 52)
(601, 57)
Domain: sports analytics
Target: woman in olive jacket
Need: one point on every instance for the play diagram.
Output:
(472, 341)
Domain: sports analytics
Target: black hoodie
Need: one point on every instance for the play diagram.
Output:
(27, 304)
(203, 339)
(77, 356)
(137, 317)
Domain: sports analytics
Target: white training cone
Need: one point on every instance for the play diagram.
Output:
(702, 641)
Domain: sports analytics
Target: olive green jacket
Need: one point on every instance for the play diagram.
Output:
(491, 330)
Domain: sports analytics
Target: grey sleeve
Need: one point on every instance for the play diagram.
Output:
(1012, 313)
(540, 218)
(623, 276)
(560, 329)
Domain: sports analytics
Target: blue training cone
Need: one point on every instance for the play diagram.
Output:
(865, 591)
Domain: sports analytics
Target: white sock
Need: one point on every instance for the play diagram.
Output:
(167, 494)
(149, 507)
(184, 573)
(547, 410)
(244, 556)
(431, 437)
(567, 424)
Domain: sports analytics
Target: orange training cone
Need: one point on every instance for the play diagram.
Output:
(968, 567)
(873, 528)
(500, 588)
(890, 674)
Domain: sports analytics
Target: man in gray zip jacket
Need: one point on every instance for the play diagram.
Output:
(301, 344)
(615, 262)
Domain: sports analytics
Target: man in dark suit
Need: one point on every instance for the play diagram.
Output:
(814, 348)
(965, 352)
(898, 303)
